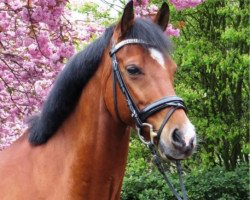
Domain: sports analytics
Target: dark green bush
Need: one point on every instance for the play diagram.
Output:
(217, 183)
(145, 185)
(213, 184)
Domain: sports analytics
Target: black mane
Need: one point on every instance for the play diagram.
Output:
(68, 87)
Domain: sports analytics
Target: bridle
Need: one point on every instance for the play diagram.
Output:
(140, 116)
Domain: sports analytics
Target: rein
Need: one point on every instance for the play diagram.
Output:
(140, 116)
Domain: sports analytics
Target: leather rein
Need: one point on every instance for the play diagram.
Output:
(140, 116)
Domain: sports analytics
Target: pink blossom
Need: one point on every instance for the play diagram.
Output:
(54, 57)
(43, 3)
(66, 50)
(182, 4)
(33, 50)
(3, 15)
(172, 31)
(145, 10)
(57, 11)
(1, 86)
(51, 3)
(40, 14)
(43, 39)
(15, 4)
(24, 14)
(153, 9)
(141, 2)
(28, 41)
(4, 24)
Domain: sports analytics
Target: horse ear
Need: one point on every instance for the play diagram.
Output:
(127, 18)
(162, 17)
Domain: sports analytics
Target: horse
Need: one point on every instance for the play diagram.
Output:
(77, 146)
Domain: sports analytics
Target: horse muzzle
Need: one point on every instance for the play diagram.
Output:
(179, 143)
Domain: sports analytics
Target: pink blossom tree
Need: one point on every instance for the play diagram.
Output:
(36, 39)
(183, 4)
(144, 8)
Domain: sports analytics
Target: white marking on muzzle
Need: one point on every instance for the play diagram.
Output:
(189, 133)
(157, 55)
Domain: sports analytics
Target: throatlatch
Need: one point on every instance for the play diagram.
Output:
(140, 116)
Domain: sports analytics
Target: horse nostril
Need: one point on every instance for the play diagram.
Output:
(191, 143)
(177, 139)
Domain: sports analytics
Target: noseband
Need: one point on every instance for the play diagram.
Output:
(138, 115)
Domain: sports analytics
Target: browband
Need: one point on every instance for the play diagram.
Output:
(123, 43)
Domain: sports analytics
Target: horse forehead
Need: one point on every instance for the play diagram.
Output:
(157, 56)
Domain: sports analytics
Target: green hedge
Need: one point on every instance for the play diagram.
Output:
(216, 183)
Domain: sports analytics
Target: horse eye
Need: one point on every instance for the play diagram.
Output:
(133, 70)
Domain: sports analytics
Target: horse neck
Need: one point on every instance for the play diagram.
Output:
(99, 144)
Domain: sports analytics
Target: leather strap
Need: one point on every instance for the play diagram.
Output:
(169, 114)
(161, 104)
(123, 43)
(133, 108)
(115, 96)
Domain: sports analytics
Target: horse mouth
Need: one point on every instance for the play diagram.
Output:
(173, 155)
(166, 157)
(172, 159)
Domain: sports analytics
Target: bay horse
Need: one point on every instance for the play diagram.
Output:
(77, 147)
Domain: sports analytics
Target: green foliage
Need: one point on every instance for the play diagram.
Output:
(143, 182)
(212, 54)
(94, 12)
(213, 77)
(217, 183)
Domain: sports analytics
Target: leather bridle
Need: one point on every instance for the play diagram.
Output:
(140, 116)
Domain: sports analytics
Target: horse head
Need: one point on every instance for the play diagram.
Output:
(142, 78)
